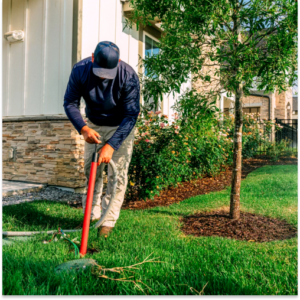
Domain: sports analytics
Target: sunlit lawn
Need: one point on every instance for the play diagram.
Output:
(213, 265)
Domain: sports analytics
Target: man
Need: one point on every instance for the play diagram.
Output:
(111, 91)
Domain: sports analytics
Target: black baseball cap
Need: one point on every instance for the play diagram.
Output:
(106, 59)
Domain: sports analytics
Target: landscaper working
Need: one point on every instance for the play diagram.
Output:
(111, 91)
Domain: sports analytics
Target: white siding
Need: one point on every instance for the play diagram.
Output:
(5, 54)
(103, 20)
(133, 58)
(34, 51)
(108, 20)
(36, 71)
(16, 78)
(90, 27)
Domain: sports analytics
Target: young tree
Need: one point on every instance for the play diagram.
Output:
(227, 45)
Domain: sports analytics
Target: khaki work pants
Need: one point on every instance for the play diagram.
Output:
(121, 158)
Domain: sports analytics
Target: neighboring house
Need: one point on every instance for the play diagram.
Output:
(295, 107)
(39, 142)
(269, 106)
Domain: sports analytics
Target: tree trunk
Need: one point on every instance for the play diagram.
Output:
(237, 157)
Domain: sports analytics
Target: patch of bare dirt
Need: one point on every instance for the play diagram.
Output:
(250, 227)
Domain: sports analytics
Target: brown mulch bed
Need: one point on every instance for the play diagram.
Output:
(204, 185)
(250, 227)
(200, 186)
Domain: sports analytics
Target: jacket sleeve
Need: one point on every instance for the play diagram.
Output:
(131, 108)
(72, 100)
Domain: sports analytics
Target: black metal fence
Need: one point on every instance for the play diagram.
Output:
(288, 132)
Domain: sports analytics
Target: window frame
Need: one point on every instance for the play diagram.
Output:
(144, 43)
(250, 107)
(144, 50)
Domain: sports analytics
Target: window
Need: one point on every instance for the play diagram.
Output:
(151, 48)
(251, 110)
(228, 110)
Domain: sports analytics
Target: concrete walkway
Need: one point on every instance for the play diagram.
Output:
(10, 188)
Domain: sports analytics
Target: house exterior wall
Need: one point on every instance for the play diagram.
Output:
(295, 107)
(280, 106)
(43, 150)
(256, 101)
(209, 68)
(35, 71)
(289, 99)
(39, 143)
(295, 115)
(103, 20)
(282, 101)
(44, 145)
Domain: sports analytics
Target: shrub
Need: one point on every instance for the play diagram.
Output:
(167, 153)
(257, 134)
(196, 142)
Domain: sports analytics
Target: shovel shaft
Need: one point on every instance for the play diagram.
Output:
(88, 206)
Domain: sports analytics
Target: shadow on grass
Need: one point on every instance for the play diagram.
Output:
(41, 214)
(30, 274)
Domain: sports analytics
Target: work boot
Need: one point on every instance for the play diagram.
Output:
(104, 231)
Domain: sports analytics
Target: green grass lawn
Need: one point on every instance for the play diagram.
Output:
(226, 267)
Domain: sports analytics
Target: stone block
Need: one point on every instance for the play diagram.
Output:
(45, 125)
(47, 152)
(34, 142)
(47, 166)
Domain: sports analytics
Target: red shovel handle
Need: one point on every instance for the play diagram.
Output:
(88, 205)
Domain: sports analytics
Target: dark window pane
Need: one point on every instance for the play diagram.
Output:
(155, 48)
(148, 46)
(151, 48)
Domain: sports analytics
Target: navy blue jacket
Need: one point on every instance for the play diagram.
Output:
(108, 102)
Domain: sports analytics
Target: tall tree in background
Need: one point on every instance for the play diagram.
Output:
(228, 45)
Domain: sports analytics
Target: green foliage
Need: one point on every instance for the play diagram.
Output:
(251, 43)
(274, 150)
(257, 133)
(166, 154)
(198, 142)
(233, 47)
(280, 149)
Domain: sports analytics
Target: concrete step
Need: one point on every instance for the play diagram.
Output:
(12, 188)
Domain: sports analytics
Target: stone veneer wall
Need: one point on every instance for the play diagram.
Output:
(282, 100)
(209, 68)
(280, 111)
(48, 150)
